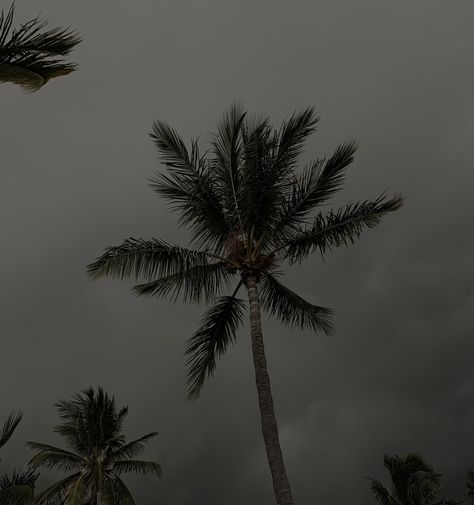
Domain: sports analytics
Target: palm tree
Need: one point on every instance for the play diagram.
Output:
(414, 482)
(17, 488)
(249, 211)
(31, 56)
(99, 455)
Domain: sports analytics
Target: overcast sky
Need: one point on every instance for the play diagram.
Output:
(396, 377)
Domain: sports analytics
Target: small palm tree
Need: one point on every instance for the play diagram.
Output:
(414, 482)
(18, 487)
(30, 56)
(99, 455)
(250, 211)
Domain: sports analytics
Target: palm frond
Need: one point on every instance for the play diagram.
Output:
(9, 426)
(211, 340)
(197, 283)
(78, 488)
(318, 183)
(49, 456)
(189, 186)
(137, 466)
(18, 488)
(339, 228)
(382, 494)
(54, 493)
(292, 309)
(119, 493)
(133, 448)
(29, 55)
(146, 259)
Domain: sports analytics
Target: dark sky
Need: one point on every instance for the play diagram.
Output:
(396, 377)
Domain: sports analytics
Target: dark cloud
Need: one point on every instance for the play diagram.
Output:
(397, 376)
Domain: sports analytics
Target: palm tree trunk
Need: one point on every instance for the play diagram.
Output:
(281, 485)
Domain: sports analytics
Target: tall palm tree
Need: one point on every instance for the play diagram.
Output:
(29, 55)
(98, 455)
(249, 211)
(414, 482)
(18, 487)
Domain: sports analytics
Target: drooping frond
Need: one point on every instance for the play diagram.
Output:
(196, 283)
(292, 309)
(319, 182)
(54, 493)
(211, 340)
(117, 493)
(338, 228)
(9, 426)
(147, 259)
(51, 457)
(29, 55)
(133, 448)
(137, 466)
(18, 488)
(190, 187)
(382, 494)
(78, 488)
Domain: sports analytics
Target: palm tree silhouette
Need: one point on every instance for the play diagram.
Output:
(249, 212)
(99, 455)
(414, 482)
(31, 56)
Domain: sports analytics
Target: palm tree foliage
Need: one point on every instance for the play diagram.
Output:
(414, 482)
(30, 55)
(97, 453)
(249, 210)
(18, 487)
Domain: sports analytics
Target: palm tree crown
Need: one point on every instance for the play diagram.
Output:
(31, 56)
(98, 455)
(414, 482)
(249, 211)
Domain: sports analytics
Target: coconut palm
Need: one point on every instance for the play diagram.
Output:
(29, 55)
(249, 211)
(18, 487)
(98, 456)
(414, 482)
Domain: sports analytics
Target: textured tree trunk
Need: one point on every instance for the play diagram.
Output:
(281, 485)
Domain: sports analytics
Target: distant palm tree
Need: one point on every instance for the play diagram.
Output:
(30, 56)
(414, 482)
(92, 428)
(18, 487)
(470, 487)
(249, 212)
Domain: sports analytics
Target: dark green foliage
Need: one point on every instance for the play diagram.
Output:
(249, 209)
(9, 426)
(92, 427)
(29, 55)
(414, 482)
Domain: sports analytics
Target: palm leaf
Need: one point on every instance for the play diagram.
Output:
(137, 466)
(133, 448)
(54, 457)
(52, 494)
(339, 228)
(18, 488)
(382, 494)
(189, 186)
(318, 183)
(196, 283)
(9, 426)
(120, 492)
(292, 309)
(146, 259)
(30, 56)
(211, 340)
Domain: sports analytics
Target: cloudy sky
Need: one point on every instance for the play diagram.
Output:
(396, 377)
